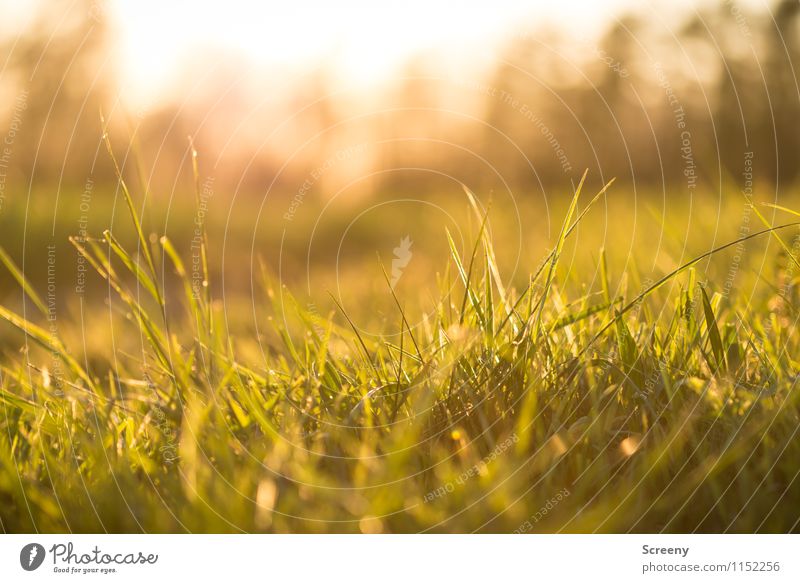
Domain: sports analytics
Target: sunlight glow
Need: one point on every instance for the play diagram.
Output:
(363, 41)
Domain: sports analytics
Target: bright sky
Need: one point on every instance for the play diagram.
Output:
(365, 40)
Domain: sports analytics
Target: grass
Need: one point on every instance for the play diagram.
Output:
(550, 408)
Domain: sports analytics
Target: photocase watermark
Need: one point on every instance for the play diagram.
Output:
(739, 18)
(31, 556)
(317, 173)
(84, 207)
(7, 146)
(66, 560)
(744, 227)
(687, 154)
(603, 56)
(20, 105)
(646, 284)
(54, 376)
(402, 257)
(526, 112)
(784, 292)
(198, 275)
(546, 508)
(316, 318)
(169, 449)
(97, 11)
(476, 470)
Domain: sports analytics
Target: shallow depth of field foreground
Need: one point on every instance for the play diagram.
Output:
(654, 405)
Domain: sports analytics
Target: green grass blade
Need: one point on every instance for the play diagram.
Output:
(555, 257)
(677, 271)
(132, 265)
(713, 331)
(144, 246)
(465, 280)
(16, 272)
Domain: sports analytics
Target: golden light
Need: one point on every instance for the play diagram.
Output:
(357, 40)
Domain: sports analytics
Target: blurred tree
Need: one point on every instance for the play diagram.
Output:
(60, 65)
(784, 94)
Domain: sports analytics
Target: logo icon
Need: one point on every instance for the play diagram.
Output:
(31, 556)
(402, 255)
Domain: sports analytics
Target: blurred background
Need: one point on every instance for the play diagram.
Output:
(334, 139)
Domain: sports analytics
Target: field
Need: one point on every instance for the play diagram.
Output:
(614, 384)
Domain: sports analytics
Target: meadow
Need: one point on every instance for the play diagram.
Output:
(613, 384)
